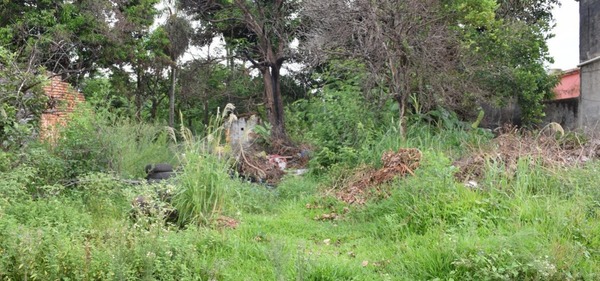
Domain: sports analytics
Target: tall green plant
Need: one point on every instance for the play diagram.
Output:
(132, 145)
(205, 186)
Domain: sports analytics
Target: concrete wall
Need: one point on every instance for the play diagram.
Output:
(589, 29)
(498, 116)
(564, 111)
(589, 118)
(589, 49)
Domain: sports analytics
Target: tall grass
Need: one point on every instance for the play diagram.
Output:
(205, 186)
(132, 145)
(101, 142)
(533, 225)
(205, 189)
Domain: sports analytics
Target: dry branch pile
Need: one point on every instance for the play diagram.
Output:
(395, 164)
(512, 145)
(255, 166)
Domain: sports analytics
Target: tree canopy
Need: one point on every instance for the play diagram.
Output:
(421, 55)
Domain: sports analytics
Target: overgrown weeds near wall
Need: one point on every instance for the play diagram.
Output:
(95, 142)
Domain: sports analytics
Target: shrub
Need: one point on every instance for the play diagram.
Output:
(504, 264)
(339, 122)
(103, 195)
(80, 144)
(17, 184)
(51, 169)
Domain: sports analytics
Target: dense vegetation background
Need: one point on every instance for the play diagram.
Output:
(341, 82)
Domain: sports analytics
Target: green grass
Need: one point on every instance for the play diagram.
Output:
(539, 224)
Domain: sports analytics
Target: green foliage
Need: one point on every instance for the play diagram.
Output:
(338, 121)
(504, 265)
(95, 142)
(132, 145)
(101, 95)
(37, 173)
(66, 212)
(51, 169)
(423, 203)
(80, 144)
(57, 239)
(511, 50)
(21, 101)
(202, 89)
(535, 225)
(205, 188)
(61, 35)
(17, 183)
(473, 13)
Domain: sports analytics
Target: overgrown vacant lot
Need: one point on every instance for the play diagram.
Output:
(531, 222)
(172, 167)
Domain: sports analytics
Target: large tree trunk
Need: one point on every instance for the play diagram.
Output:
(172, 97)
(274, 103)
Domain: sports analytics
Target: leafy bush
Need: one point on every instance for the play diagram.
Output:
(504, 265)
(339, 123)
(51, 169)
(56, 239)
(17, 184)
(80, 144)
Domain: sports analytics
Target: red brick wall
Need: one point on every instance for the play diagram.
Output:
(63, 100)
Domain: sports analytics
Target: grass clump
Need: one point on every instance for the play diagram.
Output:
(205, 189)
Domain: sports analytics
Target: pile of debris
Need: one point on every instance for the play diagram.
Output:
(250, 151)
(511, 145)
(395, 164)
(258, 167)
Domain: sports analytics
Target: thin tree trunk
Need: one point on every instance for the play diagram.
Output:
(401, 100)
(172, 97)
(205, 112)
(138, 97)
(153, 109)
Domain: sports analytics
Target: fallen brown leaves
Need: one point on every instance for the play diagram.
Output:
(395, 164)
